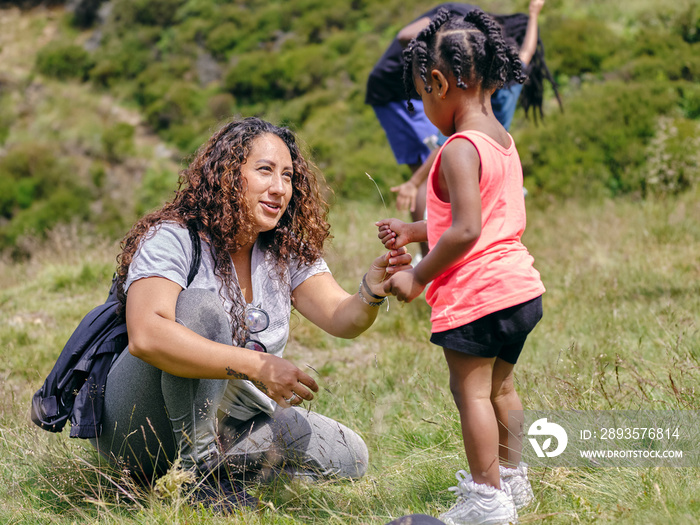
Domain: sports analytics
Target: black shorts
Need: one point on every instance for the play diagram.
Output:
(500, 334)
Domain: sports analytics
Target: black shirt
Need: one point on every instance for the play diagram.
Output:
(385, 82)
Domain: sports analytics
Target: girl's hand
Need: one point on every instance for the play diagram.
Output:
(284, 383)
(404, 286)
(384, 267)
(393, 233)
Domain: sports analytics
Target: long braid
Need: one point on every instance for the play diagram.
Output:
(533, 88)
(514, 29)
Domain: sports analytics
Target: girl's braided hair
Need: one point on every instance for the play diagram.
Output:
(514, 28)
(471, 47)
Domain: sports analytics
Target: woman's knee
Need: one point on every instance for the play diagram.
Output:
(202, 312)
(330, 449)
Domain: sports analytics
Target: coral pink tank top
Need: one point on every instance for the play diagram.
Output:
(498, 271)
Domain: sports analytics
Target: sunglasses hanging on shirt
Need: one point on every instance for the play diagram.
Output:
(256, 320)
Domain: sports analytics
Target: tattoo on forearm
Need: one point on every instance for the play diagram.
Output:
(237, 375)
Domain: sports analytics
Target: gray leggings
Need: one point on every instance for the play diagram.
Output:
(150, 417)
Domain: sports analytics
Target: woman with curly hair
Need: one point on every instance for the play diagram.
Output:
(204, 378)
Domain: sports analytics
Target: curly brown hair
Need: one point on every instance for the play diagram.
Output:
(211, 197)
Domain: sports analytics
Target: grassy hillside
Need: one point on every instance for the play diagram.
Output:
(620, 332)
(612, 222)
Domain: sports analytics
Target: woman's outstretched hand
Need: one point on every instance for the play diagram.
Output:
(385, 266)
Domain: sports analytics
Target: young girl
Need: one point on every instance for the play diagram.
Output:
(485, 294)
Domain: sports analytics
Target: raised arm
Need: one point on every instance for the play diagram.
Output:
(527, 50)
(156, 338)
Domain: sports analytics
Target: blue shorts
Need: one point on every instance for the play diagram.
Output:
(504, 102)
(501, 334)
(409, 134)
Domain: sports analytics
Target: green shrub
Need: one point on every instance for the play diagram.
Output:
(317, 20)
(261, 75)
(673, 157)
(126, 13)
(253, 78)
(38, 191)
(152, 84)
(687, 24)
(597, 146)
(7, 196)
(64, 61)
(221, 105)
(35, 169)
(574, 47)
(157, 187)
(123, 58)
(118, 141)
(223, 38)
(660, 56)
(63, 205)
(690, 100)
(181, 102)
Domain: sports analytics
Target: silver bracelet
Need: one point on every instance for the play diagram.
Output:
(364, 299)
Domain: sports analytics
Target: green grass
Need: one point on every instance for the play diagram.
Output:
(620, 331)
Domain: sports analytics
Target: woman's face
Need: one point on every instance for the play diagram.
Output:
(268, 172)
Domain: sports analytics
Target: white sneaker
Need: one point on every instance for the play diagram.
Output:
(479, 504)
(520, 488)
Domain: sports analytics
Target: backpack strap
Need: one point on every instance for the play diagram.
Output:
(193, 228)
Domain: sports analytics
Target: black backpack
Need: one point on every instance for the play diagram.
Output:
(74, 389)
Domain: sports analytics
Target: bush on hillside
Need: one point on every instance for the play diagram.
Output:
(64, 61)
(688, 24)
(7, 115)
(118, 141)
(180, 103)
(656, 56)
(690, 95)
(673, 158)
(574, 47)
(121, 59)
(223, 38)
(597, 147)
(157, 187)
(128, 13)
(37, 192)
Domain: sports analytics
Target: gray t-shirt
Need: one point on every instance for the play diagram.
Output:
(167, 253)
